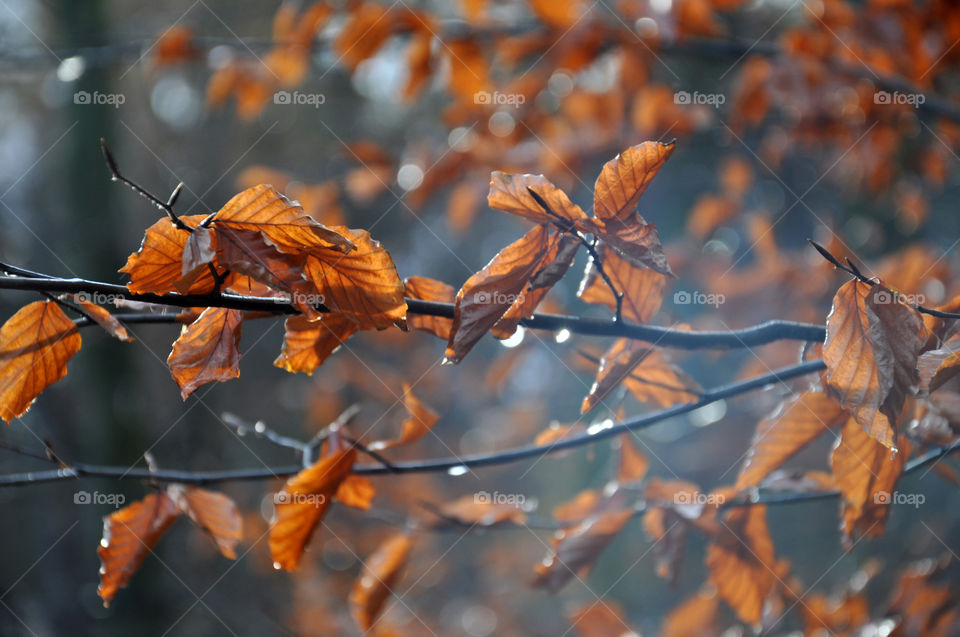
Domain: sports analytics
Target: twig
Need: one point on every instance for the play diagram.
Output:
(166, 206)
(260, 430)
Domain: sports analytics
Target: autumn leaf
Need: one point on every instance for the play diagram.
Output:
(158, 266)
(366, 29)
(780, 436)
(600, 618)
(214, 512)
(419, 422)
(559, 14)
(302, 503)
(306, 343)
(486, 295)
(362, 285)
(937, 366)
(642, 288)
(481, 510)
(866, 474)
(101, 316)
(617, 363)
(669, 530)
(129, 535)
(35, 345)
(696, 617)
(207, 350)
(576, 549)
(198, 251)
(633, 463)
(282, 223)
(871, 350)
(582, 506)
(624, 179)
(657, 380)
(427, 289)
(380, 574)
(637, 241)
(469, 73)
(357, 492)
(511, 193)
(742, 563)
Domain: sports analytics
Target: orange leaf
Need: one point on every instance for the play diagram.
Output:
(510, 193)
(480, 509)
(158, 265)
(624, 178)
(866, 473)
(306, 343)
(635, 240)
(302, 503)
(468, 68)
(198, 251)
(575, 549)
(357, 492)
(282, 223)
(207, 350)
(486, 295)
(427, 289)
(871, 350)
(102, 316)
(615, 366)
(559, 14)
(696, 617)
(214, 512)
(35, 345)
(657, 380)
(378, 578)
(419, 423)
(362, 285)
(780, 436)
(129, 535)
(600, 618)
(366, 29)
(642, 288)
(741, 561)
(418, 61)
(633, 464)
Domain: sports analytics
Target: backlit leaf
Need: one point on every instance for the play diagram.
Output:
(624, 179)
(695, 617)
(102, 316)
(576, 549)
(378, 579)
(158, 265)
(207, 350)
(35, 345)
(658, 381)
(419, 422)
(427, 289)
(642, 288)
(306, 343)
(214, 512)
(357, 492)
(510, 193)
(601, 618)
(617, 363)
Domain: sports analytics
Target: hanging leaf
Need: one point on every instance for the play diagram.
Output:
(214, 512)
(302, 503)
(642, 288)
(35, 345)
(158, 266)
(362, 285)
(207, 350)
(511, 193)
(306, 343)
(742, 563)
(871, 350)
(600, 618)
(357, 492)
(576, 549)
(418, 424)
(198, 251)
(380, 574)
(102, 316)
(624, 179)
(633, 463)
(696, 617)
(427, 289)
(795, 425)
(129, 535)
(657, 380)
(480, 509)
(486, 295)
(617, 363)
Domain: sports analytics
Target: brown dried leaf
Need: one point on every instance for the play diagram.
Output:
(378, 578)
(657, 380)
(642, 288)
(302, 503)
(35, 345)
(617, 363)
(576, 549)
(427, 289)
(633, 463)
(420, 421)
(780, 436)
(480, 509)
(623, 180)
(207, 350)
(601, 618)
(102, 316)
(214, 512)
(696, 617)
(510, 193)
(357, 492)
(306, 343)
(158, 265)
(487, 295)
(129, 535)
